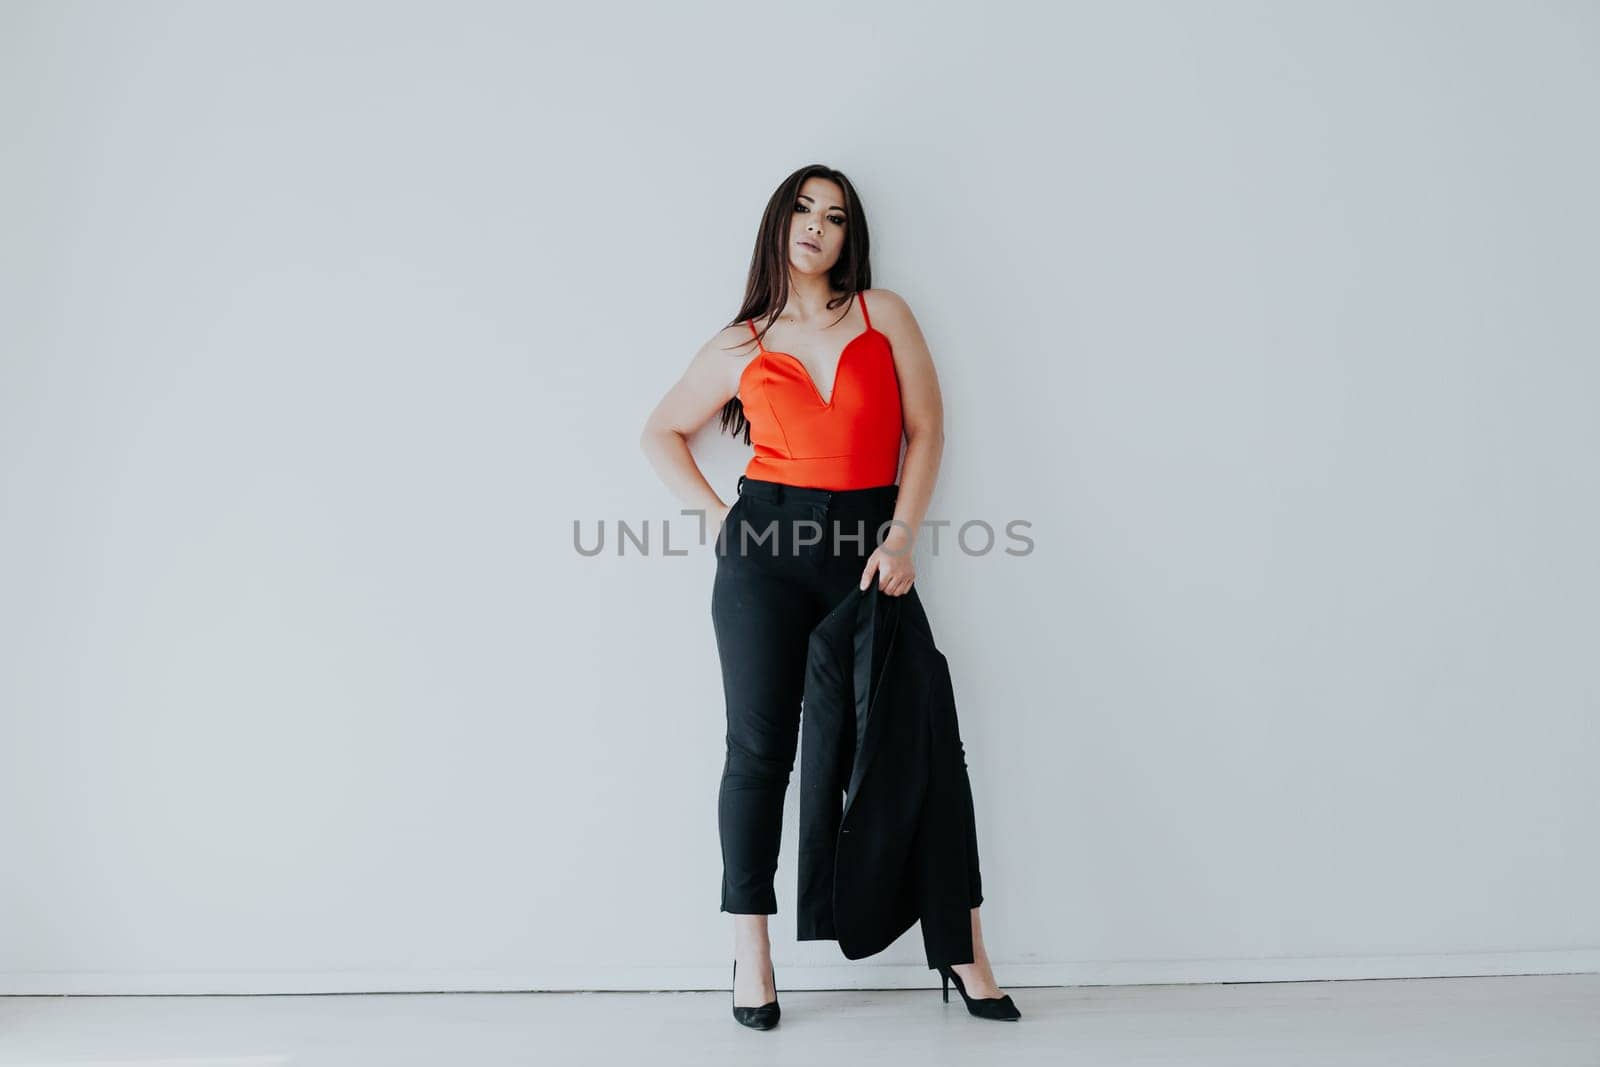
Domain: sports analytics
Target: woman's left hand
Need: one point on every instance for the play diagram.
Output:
(893, 567)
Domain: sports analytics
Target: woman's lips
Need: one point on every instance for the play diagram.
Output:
(812, 247)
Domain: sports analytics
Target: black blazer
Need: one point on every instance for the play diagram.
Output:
(887, 834)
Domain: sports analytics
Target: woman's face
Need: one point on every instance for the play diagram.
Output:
(818, 221)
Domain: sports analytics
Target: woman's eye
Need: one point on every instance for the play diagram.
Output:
(837, 220)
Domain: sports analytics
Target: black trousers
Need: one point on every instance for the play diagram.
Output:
(786, 555)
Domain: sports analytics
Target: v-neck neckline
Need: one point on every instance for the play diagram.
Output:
(838, 366)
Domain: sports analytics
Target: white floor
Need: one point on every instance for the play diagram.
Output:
(1536, 1021)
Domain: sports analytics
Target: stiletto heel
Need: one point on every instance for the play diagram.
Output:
(764, 1017)
(983, 1007)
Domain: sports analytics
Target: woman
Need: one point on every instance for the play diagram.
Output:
(826, 395)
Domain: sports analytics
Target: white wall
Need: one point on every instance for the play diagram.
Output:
(321, 324)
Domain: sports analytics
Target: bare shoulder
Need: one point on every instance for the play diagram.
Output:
(891, 302)
(725, 355)
(892, 316)
(735, 340)
(706, 385)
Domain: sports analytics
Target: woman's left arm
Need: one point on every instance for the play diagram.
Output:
(922, 415)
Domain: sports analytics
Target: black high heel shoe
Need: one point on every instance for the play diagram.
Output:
(764, 1017)
(983, 1007)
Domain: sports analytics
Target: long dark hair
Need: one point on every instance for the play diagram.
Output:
(766, 290)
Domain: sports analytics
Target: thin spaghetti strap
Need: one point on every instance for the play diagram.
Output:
(862, 296)
(750, 323)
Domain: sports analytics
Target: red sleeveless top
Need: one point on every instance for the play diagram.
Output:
(851, 440)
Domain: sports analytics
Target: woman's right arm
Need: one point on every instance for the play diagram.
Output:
(710, 380)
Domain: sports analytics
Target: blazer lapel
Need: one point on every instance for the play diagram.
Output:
(877, 624)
